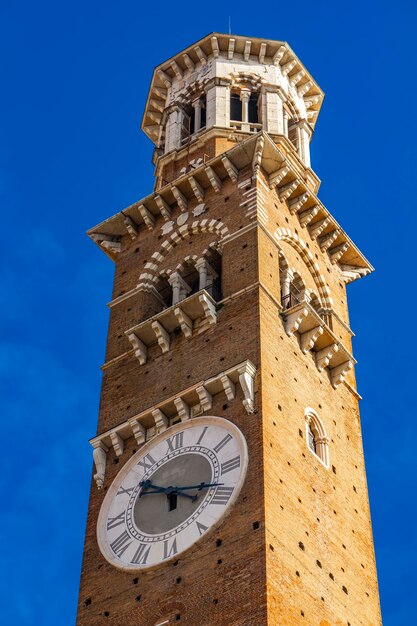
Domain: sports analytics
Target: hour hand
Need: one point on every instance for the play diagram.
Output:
(147, 484)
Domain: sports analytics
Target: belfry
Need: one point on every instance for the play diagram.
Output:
(229, 483)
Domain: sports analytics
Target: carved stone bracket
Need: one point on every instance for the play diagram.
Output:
(185, 322)
(141, 351)
(230, 169)
(315, 335)
(161, 420)
(138, 431)
(246, 378)
(229, 387)
(117, 443)
(148, 218)
(182, 408)
(295, 204)
(131, 227)
(206, 400)
(294, 318)
(215, 181)
(338, 373)
(158, 328)
(324, 356)
(307, 215)
(276, 178)
(99, 454)
(161, 335)
(309, 338)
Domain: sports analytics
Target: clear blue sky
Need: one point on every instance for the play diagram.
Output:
(74, 79)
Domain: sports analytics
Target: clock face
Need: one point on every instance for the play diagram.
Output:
(172, 492)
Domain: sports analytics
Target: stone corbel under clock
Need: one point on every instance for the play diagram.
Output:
(181, 407)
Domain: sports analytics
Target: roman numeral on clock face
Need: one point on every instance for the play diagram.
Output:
(202, 435)
(147, 462)
(141, 555)
(201, 528)
(170, 550)
(175, 442)
(112, 522)
(121, 544)
(222, 443)
(222, 495)
(230, 465)
(123, 490)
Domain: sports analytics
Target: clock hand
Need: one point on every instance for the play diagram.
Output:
(199, 487)
(146, 484)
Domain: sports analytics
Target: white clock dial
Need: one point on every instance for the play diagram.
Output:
(172, 492)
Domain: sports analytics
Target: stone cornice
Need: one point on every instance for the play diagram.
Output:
(286, 174)
(184, 65)
(188, 403)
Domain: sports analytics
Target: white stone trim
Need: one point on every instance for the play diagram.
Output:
(292, 177)
(99, 455)
(315, 335)
(284, 234)
(162, 414)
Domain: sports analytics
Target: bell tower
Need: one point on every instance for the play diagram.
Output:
(229, 316)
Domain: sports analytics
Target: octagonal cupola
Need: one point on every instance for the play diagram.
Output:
(223, 88)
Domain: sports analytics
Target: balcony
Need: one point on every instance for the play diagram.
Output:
(247, 127)
(315, 335)
(196, 311)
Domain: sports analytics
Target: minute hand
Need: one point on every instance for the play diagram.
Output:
(199, 487)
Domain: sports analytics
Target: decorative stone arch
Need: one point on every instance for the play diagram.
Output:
(284, 234)
(246, 80)
(149, 276)
(292, 109)
(316, 436)
(192, 91)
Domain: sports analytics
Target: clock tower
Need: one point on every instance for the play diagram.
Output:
(229, 485)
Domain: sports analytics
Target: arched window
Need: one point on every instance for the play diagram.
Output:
(317, 439)
(292, 287)
(244, 109)
(193, 118)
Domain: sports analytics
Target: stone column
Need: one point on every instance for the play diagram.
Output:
(201, 267)
(245, 97)
(197, 114)
(287, 277)
(304, 143)
(205, 271)
(285, 122)
(180, 289)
